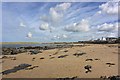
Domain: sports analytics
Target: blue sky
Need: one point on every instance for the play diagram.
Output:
(58, 21)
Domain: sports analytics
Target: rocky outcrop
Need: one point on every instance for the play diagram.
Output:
(12, 51)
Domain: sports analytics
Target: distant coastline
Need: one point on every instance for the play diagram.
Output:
(37, 42)
(20, 43)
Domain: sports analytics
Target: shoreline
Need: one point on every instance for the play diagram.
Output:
(20, 43)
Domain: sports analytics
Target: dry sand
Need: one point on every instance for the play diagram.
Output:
(68, 66)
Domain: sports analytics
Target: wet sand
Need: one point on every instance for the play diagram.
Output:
(60, 63)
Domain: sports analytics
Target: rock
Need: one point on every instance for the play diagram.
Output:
(62, 56)
(4, 57)
(114, 78)
(97, 59)
(88, 68)
(79, 54)
(12, 51)
(110, 64)
(35, 51)
(65, 50)
(16, 68)
(14, 58)
(89, 60)
(42, 58)
(33, 59)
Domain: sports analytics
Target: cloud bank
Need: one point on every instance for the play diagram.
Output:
(82, 26)
(109, 8)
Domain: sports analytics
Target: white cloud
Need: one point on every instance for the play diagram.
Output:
(56, 37)
(83, 26)
(63, 6)
(109, 8)
(57, 12)
(44, 18)
(44, 26)
(55, 15)
(29, 35)
(62, 36)
(99, 12)
(22, 24)
(112, 35)
(108, 27)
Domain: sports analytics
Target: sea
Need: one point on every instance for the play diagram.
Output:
(27, 45)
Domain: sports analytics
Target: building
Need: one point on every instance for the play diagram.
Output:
(103, 39)
(111, 39)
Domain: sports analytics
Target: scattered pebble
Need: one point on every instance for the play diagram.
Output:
(89, 60)
(62, 56)
(97, 59)
(110, 64)
(50, 55)
(33, 59)
(42, 58)
(66, 51)
(13, 58)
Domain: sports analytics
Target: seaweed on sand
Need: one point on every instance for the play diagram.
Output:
(31, 67)
(79, 54)
(15, 69)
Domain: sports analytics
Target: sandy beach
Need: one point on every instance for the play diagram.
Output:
(60, 63)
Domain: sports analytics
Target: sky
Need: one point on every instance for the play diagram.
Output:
(58, 21)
